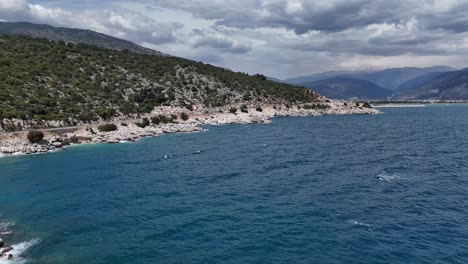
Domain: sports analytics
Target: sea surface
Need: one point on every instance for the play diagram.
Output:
(390, 188)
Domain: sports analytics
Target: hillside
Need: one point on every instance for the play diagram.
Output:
(72, 35)
(415, 83)
(389, 79)
(447, 86)
(324, 75)
(43, 80)
(347, 88)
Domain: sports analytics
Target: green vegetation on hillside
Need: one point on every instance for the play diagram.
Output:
(43, 80)
(35, 136)
(107, 127)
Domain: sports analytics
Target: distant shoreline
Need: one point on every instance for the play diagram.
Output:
(398, 105)
(377, 104)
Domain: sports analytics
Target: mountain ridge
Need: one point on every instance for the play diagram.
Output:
(348, 88)
(73, 35)
(389, 79)
(446, 86)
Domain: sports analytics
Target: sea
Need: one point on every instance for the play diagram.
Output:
(388, 188)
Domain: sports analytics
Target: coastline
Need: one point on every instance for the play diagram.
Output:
(14, 144)
(398, 105)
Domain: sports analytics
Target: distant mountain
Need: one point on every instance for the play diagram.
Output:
(325, 75)
(389, 79)
(408, 86)
(72, 35)
(346, 88)
(447, 86)
(273, 79)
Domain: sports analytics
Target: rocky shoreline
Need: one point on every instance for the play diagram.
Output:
(128, 129)
(5, 249)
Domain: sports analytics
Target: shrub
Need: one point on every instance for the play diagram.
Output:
(35, 136)
(107, 127)
(105, 113)
(184, 116)
(244, 109)
(259, 109)
(161, 119)
(144, 123)
(124, 124)
(233, 110)
(155, 120)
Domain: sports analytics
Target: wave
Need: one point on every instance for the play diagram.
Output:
(354, 222)
(18, 250)
(6, 225)
(387, 177)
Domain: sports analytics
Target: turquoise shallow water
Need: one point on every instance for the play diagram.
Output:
(390, 188)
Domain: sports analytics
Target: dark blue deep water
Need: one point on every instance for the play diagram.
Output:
(389, 188)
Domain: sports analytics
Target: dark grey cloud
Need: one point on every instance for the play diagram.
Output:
(276, 37)
(202, 38)
(300, 16)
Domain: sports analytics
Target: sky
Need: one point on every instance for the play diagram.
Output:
(278, 38)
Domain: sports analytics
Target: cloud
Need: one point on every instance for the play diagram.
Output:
(113, 21)
(212, 39)
(281, 38)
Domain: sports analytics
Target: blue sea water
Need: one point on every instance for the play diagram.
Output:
(389, 188)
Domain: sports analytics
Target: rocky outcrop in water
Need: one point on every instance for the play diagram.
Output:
(5, 249)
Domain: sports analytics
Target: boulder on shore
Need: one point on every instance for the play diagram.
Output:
(7, 249)
(57, 144)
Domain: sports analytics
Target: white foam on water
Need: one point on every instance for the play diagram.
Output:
(387, 177)
(6, 225)
(354, 222)
(19, 249)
